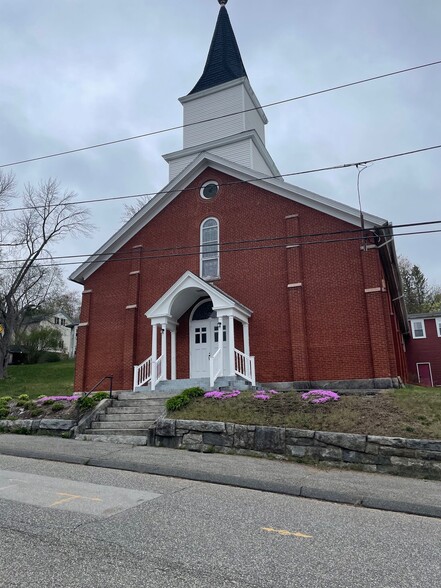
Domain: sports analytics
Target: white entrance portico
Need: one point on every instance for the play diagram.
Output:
(212, 350)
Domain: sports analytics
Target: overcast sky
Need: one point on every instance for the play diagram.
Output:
(78, 72)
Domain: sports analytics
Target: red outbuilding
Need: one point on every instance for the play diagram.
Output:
(424, 348)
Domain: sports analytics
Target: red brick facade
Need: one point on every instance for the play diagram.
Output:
(320, 311)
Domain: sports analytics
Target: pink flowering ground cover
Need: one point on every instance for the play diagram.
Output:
(413, 412)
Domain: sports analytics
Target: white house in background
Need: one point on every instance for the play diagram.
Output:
(60, 321)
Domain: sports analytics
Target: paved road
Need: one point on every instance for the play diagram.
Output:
(76, 526)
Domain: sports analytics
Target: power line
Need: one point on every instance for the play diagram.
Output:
(235, 182)
(177, 127)
(223, 251)
(103, 256)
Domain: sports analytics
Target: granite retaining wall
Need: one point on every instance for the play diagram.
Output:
(34, 426)
(390, 455)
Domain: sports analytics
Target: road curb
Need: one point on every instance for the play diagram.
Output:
(325, 495)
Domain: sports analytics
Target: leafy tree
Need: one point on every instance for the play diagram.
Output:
(419, 295)
(28, 277)
(38, 341)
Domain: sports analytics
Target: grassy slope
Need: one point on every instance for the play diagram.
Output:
(412, 412)
(51, 379)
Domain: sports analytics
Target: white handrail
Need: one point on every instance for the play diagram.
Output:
(142, 373)
(157, 375)
(216, 361)
(244, 366)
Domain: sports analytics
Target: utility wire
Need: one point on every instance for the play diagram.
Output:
(104, 256)
(235, 182)
(223, 251)
(174, 128)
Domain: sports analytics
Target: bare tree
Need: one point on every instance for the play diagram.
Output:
(131, 209)
(28, 275)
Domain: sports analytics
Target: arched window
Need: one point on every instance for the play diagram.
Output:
(210, 248)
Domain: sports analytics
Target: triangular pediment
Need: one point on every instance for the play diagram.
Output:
(187, 290)
(189, 174)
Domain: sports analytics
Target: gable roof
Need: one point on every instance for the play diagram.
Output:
(224, 62)
(191, 172)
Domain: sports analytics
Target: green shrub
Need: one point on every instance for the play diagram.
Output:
(5, 399)
(182, 399)
(41, 396)
(35, 412)
(23, 397)
(4, 412)
(85, 402)
(49, 357)
(193, 392)
(48, 402)
(57, 406)
(177, 402)
(100, 396)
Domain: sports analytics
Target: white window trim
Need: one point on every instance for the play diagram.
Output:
(438, 326)
(201, 245)
(412, 323)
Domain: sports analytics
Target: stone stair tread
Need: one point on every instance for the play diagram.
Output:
(116, 431)
(127, 425)
(116, 438)
(136, 409)
(127, 418)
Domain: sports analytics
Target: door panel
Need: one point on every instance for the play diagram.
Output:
(424, 374)
(204, 342)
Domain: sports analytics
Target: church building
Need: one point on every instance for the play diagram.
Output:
(231, 274)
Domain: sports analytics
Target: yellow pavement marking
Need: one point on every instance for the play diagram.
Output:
(286, 533)
(71, 497)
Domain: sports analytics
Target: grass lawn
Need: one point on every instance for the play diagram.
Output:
(52, 379)
(413, 412)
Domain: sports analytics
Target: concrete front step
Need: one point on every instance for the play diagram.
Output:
(117, 431)
(139, 416)
(134, 438)
(126, 425)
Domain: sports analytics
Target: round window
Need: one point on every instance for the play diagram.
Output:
(209, 189)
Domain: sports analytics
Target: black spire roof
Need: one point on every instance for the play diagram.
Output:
(224, 62)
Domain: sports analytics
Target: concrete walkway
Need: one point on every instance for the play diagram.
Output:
(407, 495)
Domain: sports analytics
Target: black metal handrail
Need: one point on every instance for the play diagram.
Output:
(86, 394)
(100, 382)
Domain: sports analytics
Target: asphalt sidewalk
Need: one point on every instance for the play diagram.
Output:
(392, 493)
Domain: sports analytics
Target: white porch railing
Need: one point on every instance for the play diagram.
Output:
(216, 361)
(142, 373)
(244, 366)
(147, 371)
(157, 375)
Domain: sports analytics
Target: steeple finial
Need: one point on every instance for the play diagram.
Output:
(222, 2)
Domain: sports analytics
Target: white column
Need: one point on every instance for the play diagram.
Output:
(231, 344)
(220, 342)
(246, 339)
(220, 332)
(164, 351)
(154, 353)
(173, 353)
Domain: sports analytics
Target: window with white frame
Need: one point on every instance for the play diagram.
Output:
(438, 326)
(210, 248)
(418, 329)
